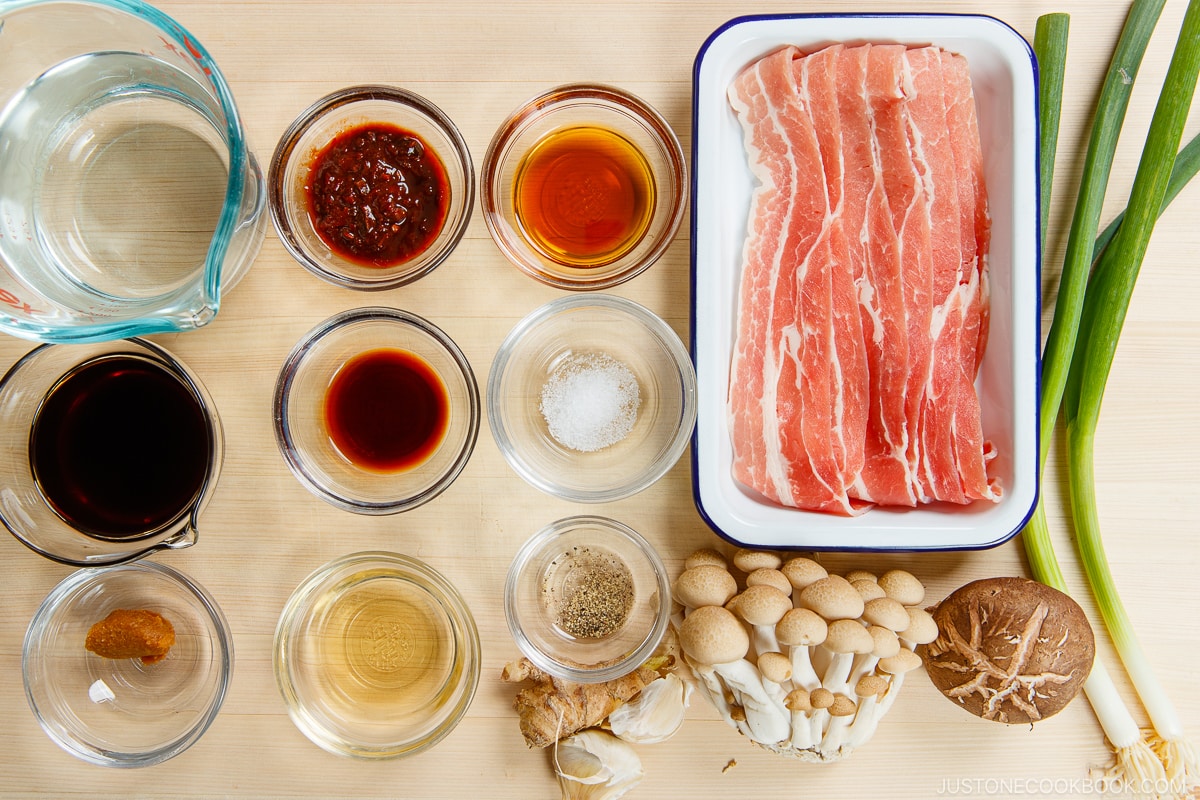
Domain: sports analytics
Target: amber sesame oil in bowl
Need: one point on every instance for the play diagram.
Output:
(584, 186)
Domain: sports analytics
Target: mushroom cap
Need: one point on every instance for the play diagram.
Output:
(1041, 638)
(833, 598)
(904, 661)
(902, 586)
(750, 560)
(775, 666)
(921, 629)
(798, 700)
(887, 643)
(887, 613)
(762, 605)
(801, 571)
(771, 577)
(842, 706)
(868, 589)
(821, 697)
(861, 575)
(705, 556)
(801, 627)
(848, 636)
(870, 685)
(713, 635)
(704, 585)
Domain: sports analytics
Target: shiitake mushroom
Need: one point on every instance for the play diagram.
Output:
(1010, 649)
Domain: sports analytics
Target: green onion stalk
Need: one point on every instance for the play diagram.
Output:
(1106, 303)
(1135, 760)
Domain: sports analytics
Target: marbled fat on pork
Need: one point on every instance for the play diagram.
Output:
(862, 308)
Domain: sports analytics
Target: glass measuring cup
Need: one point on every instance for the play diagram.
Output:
(128, 198)
(95, 472)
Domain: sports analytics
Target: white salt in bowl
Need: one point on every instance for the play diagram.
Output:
(592, 398)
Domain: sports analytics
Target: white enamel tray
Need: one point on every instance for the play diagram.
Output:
(1004, 76)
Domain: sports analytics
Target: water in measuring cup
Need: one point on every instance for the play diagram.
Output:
(119, 165)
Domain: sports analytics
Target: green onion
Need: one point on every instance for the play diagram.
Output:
(1134, 758)
(1106, 129)
(1187, 164)
(1103, 317)
(1050, 46)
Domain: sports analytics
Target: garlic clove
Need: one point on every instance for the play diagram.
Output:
(655, 714)
(595, 765)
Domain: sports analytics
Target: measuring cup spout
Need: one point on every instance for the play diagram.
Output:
(185, 538)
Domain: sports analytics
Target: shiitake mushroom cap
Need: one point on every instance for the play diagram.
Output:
(1010, 649)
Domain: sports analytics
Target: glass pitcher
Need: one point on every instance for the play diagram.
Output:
(108, 451)
(128, 198)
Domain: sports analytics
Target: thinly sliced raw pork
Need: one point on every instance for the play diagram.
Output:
(862, 308)
(781, 413)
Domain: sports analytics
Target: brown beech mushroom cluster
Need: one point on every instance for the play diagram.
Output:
(1010, 649)
(802, 662)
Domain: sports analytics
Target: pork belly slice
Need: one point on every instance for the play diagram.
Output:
(974, 453)
(888, 87)
(942, 397)
(817, 79)
(782, 398)
(874, 253)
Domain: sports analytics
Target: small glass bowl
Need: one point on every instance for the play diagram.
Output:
(547, 344)
(320, 124)
(121, 712)
(377, 656)
(596, 107)
(299, 411)
(566, 591)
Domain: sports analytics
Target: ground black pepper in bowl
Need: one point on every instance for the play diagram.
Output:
(587, 599)
(589, 592)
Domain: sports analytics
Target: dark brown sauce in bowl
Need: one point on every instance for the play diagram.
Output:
(387, 410)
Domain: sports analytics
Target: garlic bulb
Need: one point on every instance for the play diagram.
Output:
(595, 765)
(655, 714)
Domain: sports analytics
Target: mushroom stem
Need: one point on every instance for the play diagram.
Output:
(872, 710)
(800, 704)
(713, 688)
(777, 694)
(866, 719)
(803, 674)
(767, 723)
(822, 699)
(864, 664)
(837, 674)
(763, 639)
(736, 689)
(841, 713)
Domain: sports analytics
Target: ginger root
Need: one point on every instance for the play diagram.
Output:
(551, 708)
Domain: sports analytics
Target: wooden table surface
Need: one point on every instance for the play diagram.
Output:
(263, 532)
